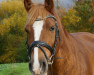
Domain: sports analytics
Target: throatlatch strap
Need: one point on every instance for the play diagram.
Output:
(51, 69)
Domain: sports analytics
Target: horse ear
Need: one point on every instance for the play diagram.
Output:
(49, 5)
(27, 4)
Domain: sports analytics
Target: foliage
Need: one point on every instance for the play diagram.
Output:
(69, 19)
(12, 21)
(80, 18)
(12, 14)
(21, 52)
(85, 11)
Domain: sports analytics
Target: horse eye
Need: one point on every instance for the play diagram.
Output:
(51, 28)
(27, 31)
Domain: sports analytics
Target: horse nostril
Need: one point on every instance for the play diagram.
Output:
(43, 66)
(30, 67)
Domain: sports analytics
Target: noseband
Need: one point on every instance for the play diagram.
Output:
(41, 44)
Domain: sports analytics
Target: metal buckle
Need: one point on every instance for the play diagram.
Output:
(50, 63)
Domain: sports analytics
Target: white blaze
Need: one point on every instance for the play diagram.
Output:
(37, 26)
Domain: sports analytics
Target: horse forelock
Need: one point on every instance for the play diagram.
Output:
(37, 11)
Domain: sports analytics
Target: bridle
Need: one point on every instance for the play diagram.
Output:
(41, 44)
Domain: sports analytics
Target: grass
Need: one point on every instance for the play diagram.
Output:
(14, 69)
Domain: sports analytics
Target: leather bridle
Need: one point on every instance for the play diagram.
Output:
(41, 44)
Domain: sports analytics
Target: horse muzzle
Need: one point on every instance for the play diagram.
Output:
(40, 69)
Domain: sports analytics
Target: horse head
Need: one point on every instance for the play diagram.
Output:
(42, 35)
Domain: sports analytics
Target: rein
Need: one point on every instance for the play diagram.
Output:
(41, 44)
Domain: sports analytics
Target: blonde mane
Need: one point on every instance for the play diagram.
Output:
(37, 11)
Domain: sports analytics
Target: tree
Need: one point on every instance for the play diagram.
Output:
(12, 22)
(69, 19)
(85, 12)
(80, 1)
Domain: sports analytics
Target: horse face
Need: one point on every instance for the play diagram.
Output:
(43, 30)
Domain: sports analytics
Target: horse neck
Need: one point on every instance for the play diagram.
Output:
(63, 51)
(65, 43)
(65, 37)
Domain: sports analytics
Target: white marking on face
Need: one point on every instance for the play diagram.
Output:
(37, 26)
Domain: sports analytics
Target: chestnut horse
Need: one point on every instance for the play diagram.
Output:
(51, 49)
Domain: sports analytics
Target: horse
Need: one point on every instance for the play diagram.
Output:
(51, 49)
